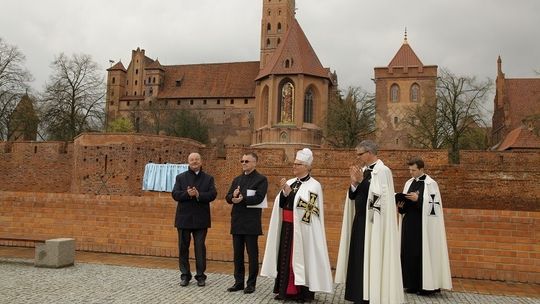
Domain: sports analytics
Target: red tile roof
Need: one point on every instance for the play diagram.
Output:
(405, 57)
(117, 66)
(523, 95)
(298, 50)
(155, 65)
(520, 138)
(212, 80)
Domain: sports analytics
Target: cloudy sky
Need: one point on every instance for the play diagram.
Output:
(349, 36)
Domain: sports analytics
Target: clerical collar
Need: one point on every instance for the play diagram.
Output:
(303, 179)
(421, 178)
(370, 167)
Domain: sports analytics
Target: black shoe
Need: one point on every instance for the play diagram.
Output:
(184, 282)
(201, 282)
(235, 287)
(411, 290)
(249, 289)
(278, 297)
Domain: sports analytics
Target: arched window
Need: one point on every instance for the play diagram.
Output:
(279, 27)
(287, 63)
(268, 42)
(286, 102)
(415, 92)
(268, 28)
(278, 41)
(394, 93)
(113, 80)
(308, 106)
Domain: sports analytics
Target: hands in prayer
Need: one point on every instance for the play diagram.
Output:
(356, 175)
(285, 187)
(237, 196)
(192, 191)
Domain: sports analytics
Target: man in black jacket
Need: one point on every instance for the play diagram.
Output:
(194, 190)
(246, 191)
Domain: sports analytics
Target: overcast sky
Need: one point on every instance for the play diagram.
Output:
(349, 36)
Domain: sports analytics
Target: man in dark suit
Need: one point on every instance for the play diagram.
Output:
(194, 190)
(246, 191)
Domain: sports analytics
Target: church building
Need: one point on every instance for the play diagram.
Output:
(279, 100)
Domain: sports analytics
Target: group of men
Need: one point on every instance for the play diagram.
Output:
(388, 241)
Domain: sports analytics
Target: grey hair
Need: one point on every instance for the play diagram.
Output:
(368, 145)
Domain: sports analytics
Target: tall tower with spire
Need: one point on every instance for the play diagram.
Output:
(292, 88)
(276, 19)
(402, 85)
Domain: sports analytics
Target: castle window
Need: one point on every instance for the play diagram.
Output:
(113, 80)
(127, 82)
(136, 71)
(268, 28)
(218, 101)
(138, 103)
(191, 102)
(204, 101)
(415, 92)
(269, 12)
(279, 27)
(394, 93)
(245, 101)
(396, 120)
(149, 79)
(178, 102)
(279, 13)
(154, 80)
(268, 42)
(178, 83)
(112, 103)
(127, 103)
(278, 41)
(144, 93)
(150, 92)
(135, 93)
(287, 63)
(232, 101)
(135, 82)
(308, 106)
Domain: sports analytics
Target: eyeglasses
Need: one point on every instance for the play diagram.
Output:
(361, 153)
(243, 161)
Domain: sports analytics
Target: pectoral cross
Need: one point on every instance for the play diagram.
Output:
(295, 187)
(310, 207)
(433, 203)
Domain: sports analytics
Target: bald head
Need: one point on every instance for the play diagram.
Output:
(194, 161)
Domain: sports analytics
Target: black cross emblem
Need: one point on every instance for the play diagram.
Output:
(374, 205)
(310, 207)
(433, 203)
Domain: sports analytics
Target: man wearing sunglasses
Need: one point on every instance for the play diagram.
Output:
(247, 192)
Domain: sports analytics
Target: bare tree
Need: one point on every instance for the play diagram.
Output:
(73, 99)
(350, 119)
(460, 102)
(14, 78)
(425, 127)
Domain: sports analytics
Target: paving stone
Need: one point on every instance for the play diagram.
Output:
(21, 283)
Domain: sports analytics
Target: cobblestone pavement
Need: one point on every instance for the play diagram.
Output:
(21, 282)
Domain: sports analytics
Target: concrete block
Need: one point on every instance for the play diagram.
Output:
(55, 253)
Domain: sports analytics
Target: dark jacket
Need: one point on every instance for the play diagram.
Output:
(193, 213)
(246, 220)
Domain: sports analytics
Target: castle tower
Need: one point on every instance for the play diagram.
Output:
(292, 91)
(276, 20)
(116, 88)
(23, 122)
(405, 83)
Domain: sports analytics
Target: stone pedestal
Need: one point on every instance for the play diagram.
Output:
(55, 253)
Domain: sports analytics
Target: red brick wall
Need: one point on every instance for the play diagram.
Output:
(483, 244)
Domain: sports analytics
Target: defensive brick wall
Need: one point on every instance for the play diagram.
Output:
(91, 190)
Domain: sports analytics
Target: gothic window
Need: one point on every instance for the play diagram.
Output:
(269, 12)
(286, 102)
(113, 80)
(135, 82)
(135, 93)
(308, 106)
(154, 80)
(245, 101)
(151, 92)
(287, 63)
(127, 103)
(191, 102)
(268, 28)
(268, 42)
(279, 27)
(232, 101)
(415, 92)
(136, 71)
(278, 41)
(394, 93)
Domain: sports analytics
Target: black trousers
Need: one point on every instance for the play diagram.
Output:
(184, 239)
(248, 241)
